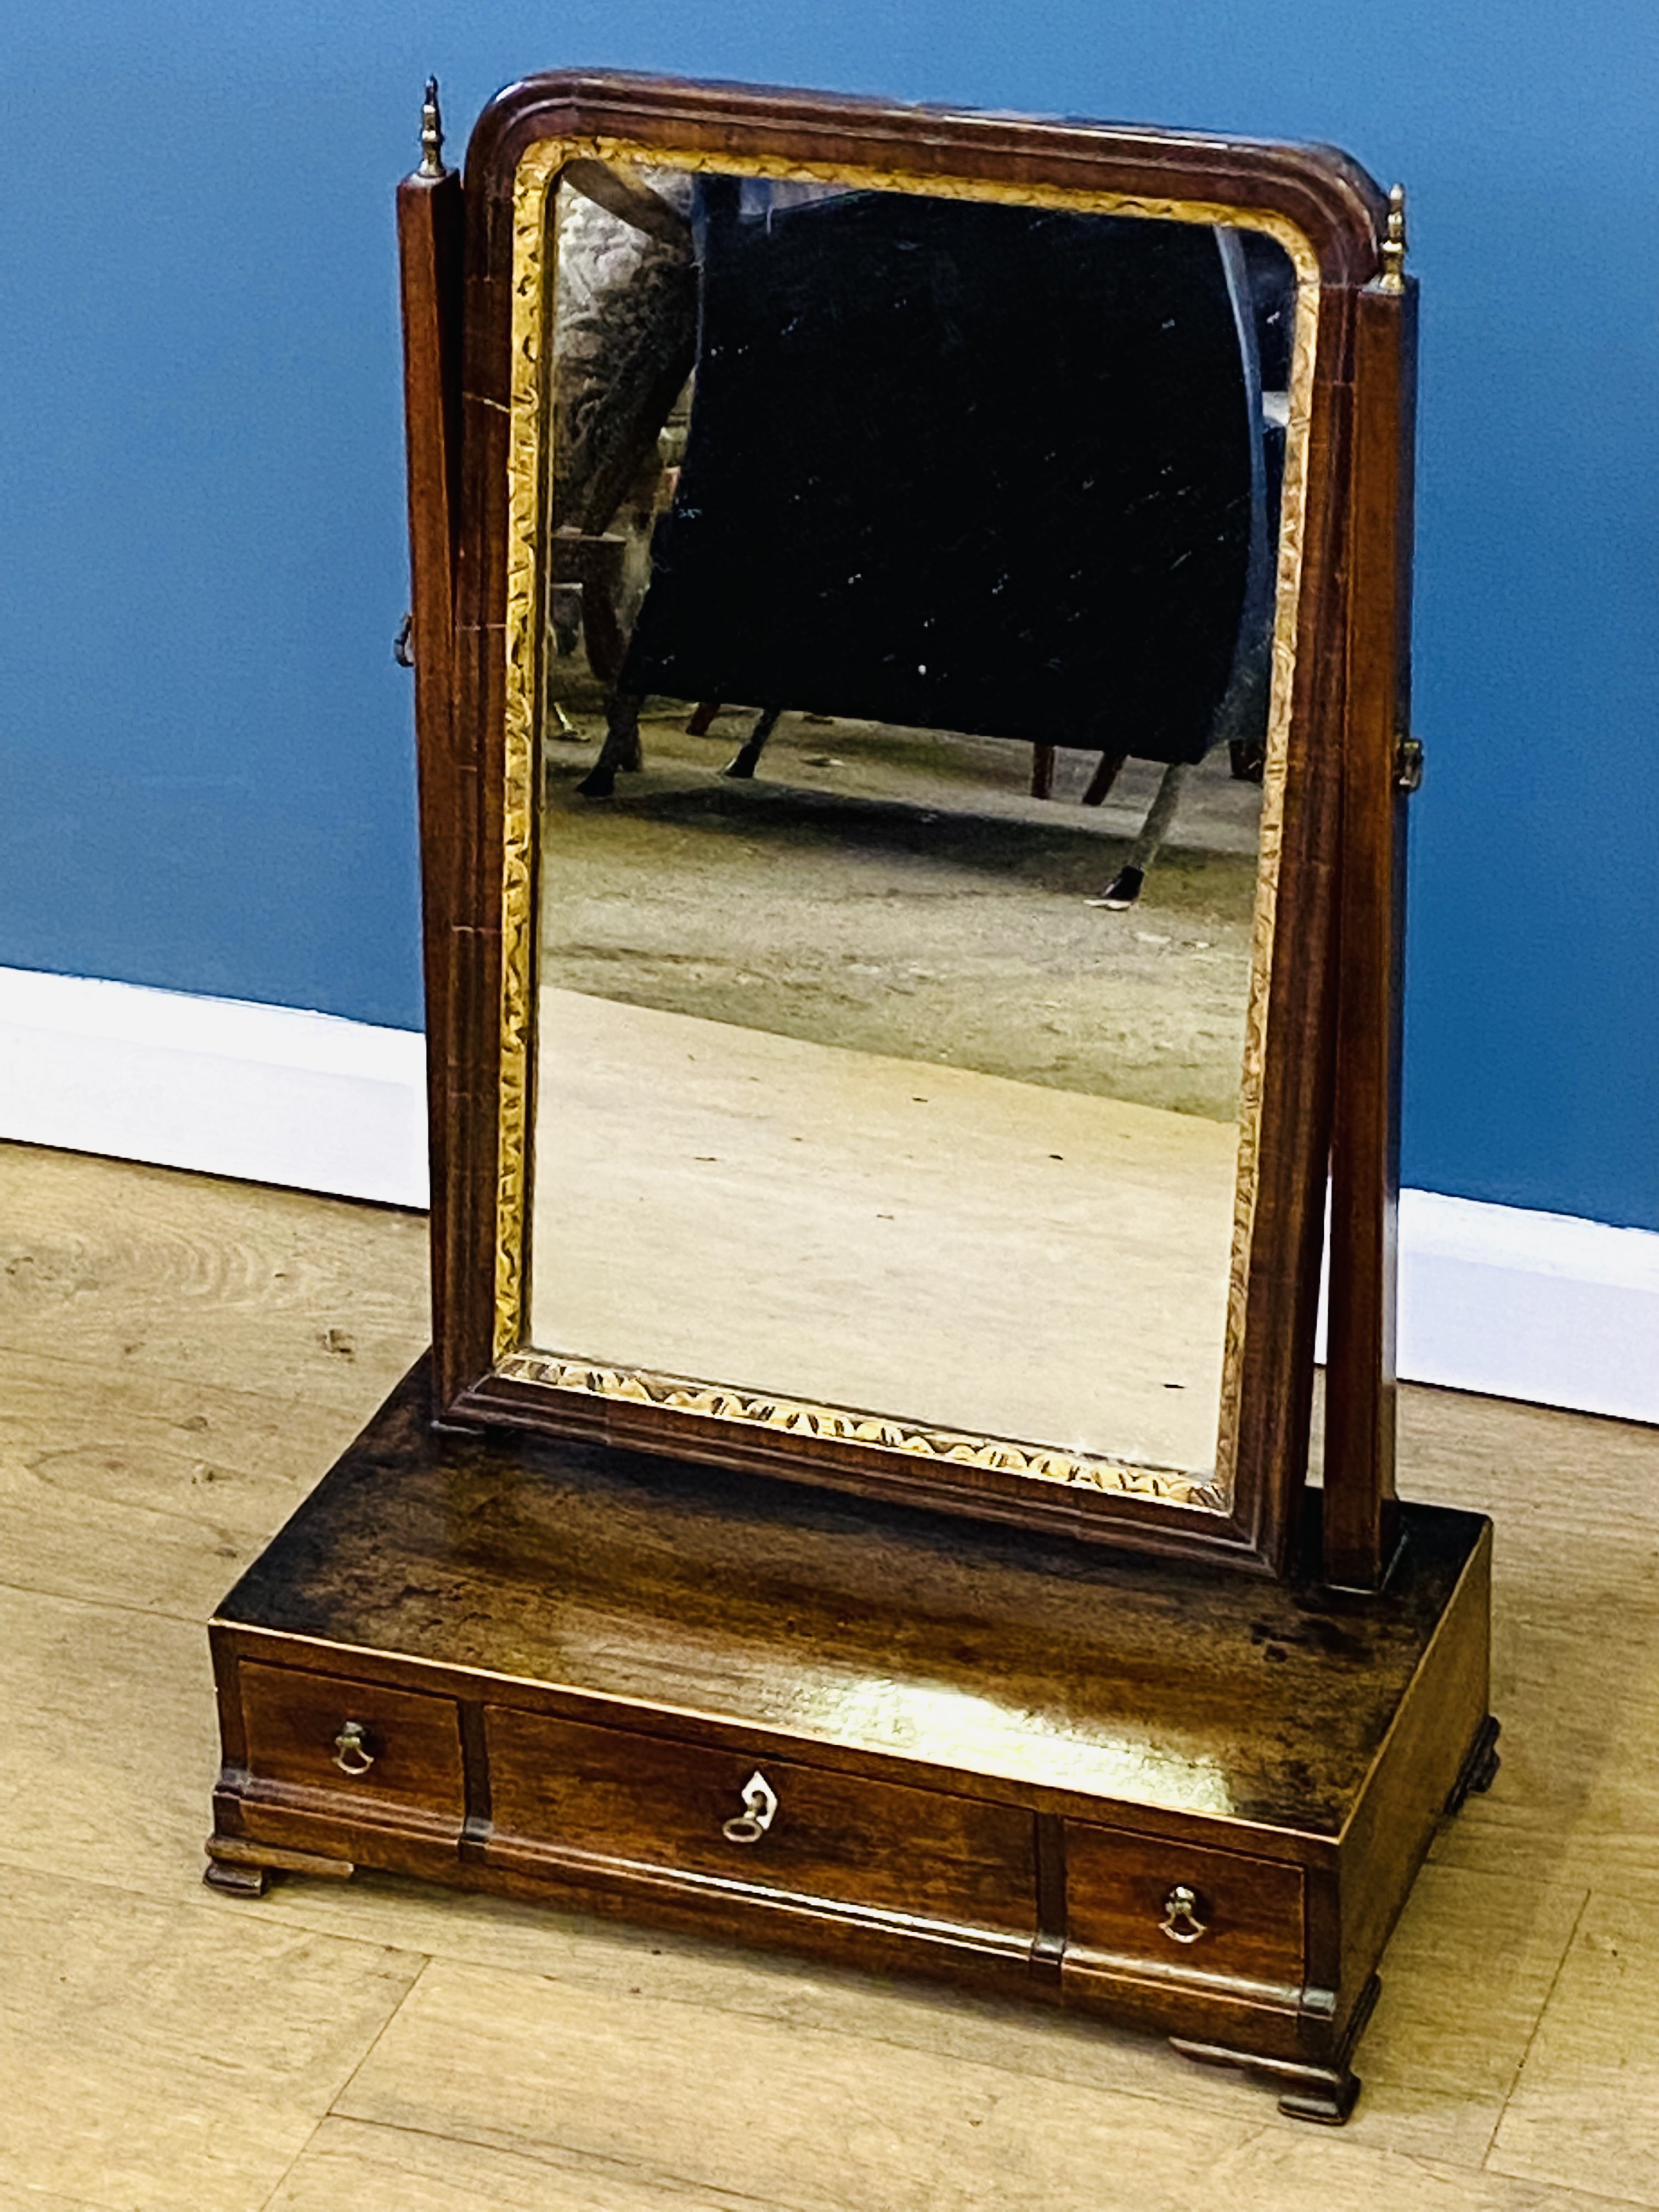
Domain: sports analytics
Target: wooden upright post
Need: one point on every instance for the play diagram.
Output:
(431, 245)
(1380, 767)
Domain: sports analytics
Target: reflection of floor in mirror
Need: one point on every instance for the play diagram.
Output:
(874, 1232)
(901, 892)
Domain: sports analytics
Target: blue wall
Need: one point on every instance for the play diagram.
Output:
(208, 782)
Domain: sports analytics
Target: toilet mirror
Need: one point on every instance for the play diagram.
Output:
(912, 778)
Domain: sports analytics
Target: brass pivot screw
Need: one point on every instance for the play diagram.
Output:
(1408, 764)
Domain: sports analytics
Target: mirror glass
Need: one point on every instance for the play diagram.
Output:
(909, 578)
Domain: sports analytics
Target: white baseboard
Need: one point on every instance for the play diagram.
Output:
(264, 1094)
(1492, 1298)
(1540, 1306)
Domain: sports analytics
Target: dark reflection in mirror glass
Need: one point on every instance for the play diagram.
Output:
(910, 597)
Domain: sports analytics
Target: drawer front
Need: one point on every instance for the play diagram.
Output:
(318, 1732)
(1239, 1917)
(646, 1800)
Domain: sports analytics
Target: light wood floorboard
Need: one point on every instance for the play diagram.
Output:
(181, 1360)
(141, 1271)
(349, 2166)
(188, 2059)
(805, 2117)
(137, 1489)
(1588, 2098)
(19, 2197)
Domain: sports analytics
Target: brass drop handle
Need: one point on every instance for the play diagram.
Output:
(760, 1806)
(1181, 1922)
(351, 1752)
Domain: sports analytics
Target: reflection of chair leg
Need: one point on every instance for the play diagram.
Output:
(589, 570)
(1104, 777)
(1042, 771)
(1124, 887)
(743, 762)
(564, 616)
(701, 718)
(621, 749)
(602, 632)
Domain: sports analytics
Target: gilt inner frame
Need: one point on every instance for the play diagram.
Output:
(529, 435)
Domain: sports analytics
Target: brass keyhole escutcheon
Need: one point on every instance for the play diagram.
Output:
(1181, 1922)
(351, 1752)
(760, 1805)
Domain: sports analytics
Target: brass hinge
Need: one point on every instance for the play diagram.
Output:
(1407, 763)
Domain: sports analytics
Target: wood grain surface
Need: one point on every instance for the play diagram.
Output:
(1505, 2069)
(1060, 1667)
(844, 1838)
(295, 1721)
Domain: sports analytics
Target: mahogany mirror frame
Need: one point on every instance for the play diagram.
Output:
(1323, 1054)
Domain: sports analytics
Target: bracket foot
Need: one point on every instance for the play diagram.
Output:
(1479, 1769)
(242, 1869)
(1324, 2094)
(233, 1880)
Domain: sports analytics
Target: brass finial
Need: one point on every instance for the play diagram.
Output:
(432, 134)
(1393, 278)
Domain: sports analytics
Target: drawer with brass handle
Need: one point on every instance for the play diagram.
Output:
(1143, 1900)
(606, 1794)
(315, 1733)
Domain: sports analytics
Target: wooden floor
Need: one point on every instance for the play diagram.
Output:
(712, 1191)
(181, 1360)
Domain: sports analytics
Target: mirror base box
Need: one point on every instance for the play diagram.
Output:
(1175, 1798)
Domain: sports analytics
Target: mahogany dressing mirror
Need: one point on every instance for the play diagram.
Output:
(903, 689)
(910, 634)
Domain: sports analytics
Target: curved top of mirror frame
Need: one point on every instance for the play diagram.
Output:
(1330, 217)
(1318, 190)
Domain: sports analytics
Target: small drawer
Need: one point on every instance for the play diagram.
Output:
(603, 1793)
(315, 1732)
(1142, 1900)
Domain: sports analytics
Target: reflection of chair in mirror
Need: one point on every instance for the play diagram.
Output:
(1122, 458)
(1240, 723)
(628, 325)
(1267, 291)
